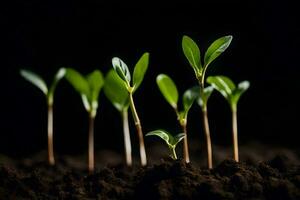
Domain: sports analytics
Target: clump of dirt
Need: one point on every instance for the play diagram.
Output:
(278, 178)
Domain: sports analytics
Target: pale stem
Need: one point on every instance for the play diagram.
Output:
(235, 136)
(127, 142)
(50, 136)
(174, 153)
(208, 140)
(185, 144)
(91, 165)
(139, 131)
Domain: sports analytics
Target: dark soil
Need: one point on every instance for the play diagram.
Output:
(278, 178)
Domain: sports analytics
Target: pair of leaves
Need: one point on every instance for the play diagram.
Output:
(138, 74)
(38, 81)
(170, 140)
(228, 89)
(89, 87)
(193, 55)
(115, 91)
(169, 90)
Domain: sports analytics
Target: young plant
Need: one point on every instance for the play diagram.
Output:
(49, 93)
(169, 90)
(131, 86)
(119, 97)
(192, 53)
(170, 140)
(232, 94)
(89, 88)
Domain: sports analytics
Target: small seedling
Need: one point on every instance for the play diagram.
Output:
(170, 92)
(49, 93)
(138, 75)
(119, 97)
(89, 88)
(192, 53)
(170, 140)
(232, 94)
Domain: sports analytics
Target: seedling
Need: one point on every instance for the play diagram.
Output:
(138, 75)
(119, 97)
(170, 93)
(49, 93)
(170, 140)
(232, 94)
(89, 88)
(192, 53)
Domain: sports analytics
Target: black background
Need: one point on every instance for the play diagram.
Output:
(45, 35)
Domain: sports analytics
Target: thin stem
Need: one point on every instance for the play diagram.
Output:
(235, 136)
(91, 165)
(208, 140)
(173, 153)
(185, 144)
(50, 135)
(127, 142)
(139, 130)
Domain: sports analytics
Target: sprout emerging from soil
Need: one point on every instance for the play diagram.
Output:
(170, 140)
(119, 97)
(89, 88)
(232, 94)
(192, 53)
(49, 93)
(138, 75)
(170, 92)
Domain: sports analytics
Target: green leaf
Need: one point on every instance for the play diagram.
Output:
(96, 82)
(222, 84)
(216, 49)
(140, 70)
(203, 98)
(58, 76)
(192, 53)
(167, 137)
(122, 70)
(79, 83)
(35, 80)
(241, 88)
(188, 98)
(164, 135)
(168, 88)
(115, 91)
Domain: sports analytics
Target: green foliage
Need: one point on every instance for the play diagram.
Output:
(188, 98)
(192, 53)
(36, 80)
(88, 87)
(138, 74)
(228, 89)
(170, 140)
(204, 96)
(115, 91)
(168, 89)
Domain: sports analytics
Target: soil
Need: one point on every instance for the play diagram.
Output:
(277, 178)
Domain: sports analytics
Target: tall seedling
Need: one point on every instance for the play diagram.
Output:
(119, 97)
(170, 92)
(232, 94)
(89, 88)
(192, 53)
(131, 86)
(49, 93)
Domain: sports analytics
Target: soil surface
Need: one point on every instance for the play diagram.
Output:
(276, 178)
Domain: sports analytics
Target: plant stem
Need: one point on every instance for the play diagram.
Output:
(174, 153)
(51, 160)
(208, 140)
(91, 145)
(185, 144)
(127, 142)
(235, 136)
(139, 131)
